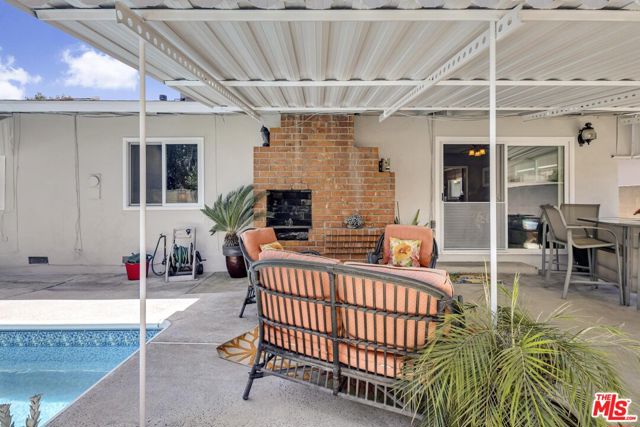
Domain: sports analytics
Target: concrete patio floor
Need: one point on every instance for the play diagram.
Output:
(189, 385)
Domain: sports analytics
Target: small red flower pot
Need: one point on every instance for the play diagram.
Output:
(133, 270)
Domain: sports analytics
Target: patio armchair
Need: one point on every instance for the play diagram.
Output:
(251, 241)
(582, 236)
(428, 246)
(345, 328)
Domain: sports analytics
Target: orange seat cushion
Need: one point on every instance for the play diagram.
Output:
(252, 240)
(389, 327)
(409, 232)
(297, 282)
(289, 311)
(299, 342)
(370, 360)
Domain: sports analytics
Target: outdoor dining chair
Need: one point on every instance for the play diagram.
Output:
(581, 236)
(571, 212)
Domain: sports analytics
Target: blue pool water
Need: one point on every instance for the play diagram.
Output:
(59, 364)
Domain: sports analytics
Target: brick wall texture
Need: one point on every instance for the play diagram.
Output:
(318, 153)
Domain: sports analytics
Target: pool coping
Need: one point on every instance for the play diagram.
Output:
(162, 326)
(83, 327)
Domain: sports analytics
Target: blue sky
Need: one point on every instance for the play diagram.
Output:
(37, 57)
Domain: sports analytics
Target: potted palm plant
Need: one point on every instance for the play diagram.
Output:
(513, 369)
(232, 214)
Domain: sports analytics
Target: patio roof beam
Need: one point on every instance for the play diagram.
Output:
(427, 109)
(383, 83)
(144, 31)
(505, 26)
(341, 15)
(593, 104)
(175, 107)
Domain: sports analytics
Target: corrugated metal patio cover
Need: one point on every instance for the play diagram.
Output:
(365, 54)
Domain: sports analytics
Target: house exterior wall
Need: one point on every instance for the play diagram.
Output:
(409, 143)
(44, 223)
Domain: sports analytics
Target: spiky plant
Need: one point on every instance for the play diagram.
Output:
(518, 371)
(233, 213)
(5, 416)
(33, 419)
(34, 411)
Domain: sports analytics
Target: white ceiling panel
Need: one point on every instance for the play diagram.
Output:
(283, 50)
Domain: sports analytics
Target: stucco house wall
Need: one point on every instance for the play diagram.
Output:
(43, 221)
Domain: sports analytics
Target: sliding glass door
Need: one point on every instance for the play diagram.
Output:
(535, 177)
(528, 176)
(465, 197)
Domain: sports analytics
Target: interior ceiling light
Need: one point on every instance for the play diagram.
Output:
(587, 134)
(476, 151)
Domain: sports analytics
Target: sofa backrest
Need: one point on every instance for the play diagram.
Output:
(380, 308)
(377, 317)
(295, 303)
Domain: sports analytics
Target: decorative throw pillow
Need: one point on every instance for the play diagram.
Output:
(405, 253)
(274, 246)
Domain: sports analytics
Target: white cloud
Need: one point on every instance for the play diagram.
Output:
(13, 79)
(90, 69)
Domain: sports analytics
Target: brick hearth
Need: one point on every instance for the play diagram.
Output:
(318, 153)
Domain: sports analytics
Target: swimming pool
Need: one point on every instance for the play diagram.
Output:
(59, 364)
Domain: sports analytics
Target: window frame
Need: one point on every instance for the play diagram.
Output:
(163, 142)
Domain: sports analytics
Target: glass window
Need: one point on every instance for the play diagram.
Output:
(182, 173)
(173, 174)
(465, 196)
(154, 174)
(535, 177)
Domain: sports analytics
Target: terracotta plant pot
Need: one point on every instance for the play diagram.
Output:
(235, 262)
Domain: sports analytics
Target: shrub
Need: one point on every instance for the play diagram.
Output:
(513, 370)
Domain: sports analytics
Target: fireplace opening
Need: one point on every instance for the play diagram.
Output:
(289, 213)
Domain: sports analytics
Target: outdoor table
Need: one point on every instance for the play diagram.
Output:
(626, 224)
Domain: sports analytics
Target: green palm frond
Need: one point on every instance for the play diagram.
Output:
(513, 370)
(233, 212)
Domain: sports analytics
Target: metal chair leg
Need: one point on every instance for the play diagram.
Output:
(544, 250)
(550, 264)
(256, 372)
(619, 265)
(248, 299)
(567, 278)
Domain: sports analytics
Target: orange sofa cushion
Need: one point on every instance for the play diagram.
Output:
(252, 240)
(409, 232)
(367, 359)
(391, 298)
(315, 316)
(299, 342)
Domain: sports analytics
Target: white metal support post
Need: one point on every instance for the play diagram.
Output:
(493, 180)
(143, 234)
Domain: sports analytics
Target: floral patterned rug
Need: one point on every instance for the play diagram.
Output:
(241, 349)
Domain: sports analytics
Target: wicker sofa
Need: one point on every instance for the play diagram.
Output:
(346, 328)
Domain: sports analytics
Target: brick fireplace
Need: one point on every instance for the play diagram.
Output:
(317, 154)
